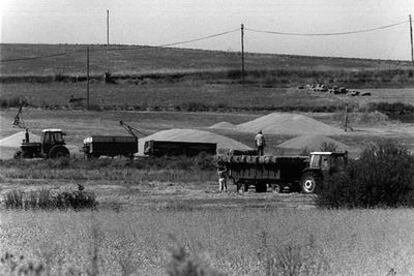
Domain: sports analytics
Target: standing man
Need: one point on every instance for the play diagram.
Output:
(260, 143)
(222, 177)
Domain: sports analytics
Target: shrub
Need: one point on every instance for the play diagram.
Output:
(382, 177)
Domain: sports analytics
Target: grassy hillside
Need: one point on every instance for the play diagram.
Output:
(140, 59)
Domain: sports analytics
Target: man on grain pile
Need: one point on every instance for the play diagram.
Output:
(260, 143)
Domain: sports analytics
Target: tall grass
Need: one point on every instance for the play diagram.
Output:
(200, 168)
(230, 241)
(47, 199)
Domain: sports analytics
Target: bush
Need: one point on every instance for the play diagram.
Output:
(382, 177)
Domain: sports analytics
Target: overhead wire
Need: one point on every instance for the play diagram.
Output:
(123, 48)
(327, 34)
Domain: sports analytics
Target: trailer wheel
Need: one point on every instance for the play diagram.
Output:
(310, 181)
(276, 188)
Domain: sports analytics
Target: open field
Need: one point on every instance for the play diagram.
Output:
(203, 95)
(145, 209)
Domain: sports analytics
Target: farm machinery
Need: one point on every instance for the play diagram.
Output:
(52, 145)
(295, 173)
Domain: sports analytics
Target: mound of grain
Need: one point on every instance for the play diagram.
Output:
(288, 123)
(224, 125)
(15, 140)
(311, 143)
(192, 135)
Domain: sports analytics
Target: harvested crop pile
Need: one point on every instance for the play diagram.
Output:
(224, 125)
(288, 123)
(311, 143)
(15, 140)
(192, 135)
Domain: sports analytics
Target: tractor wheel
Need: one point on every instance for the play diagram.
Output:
(17, 155)
(309, 183)
(59, 152)
(261, 188)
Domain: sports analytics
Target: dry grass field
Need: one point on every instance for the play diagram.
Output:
(236, 241)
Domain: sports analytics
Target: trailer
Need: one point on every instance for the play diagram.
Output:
(296, 173)
(99, 145)
(161, 148)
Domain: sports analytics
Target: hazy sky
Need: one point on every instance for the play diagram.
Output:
(155, 22)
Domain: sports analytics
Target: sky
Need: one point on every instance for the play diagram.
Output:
(156, 22)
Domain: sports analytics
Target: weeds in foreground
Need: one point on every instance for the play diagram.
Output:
(46, 199)
(292, 259)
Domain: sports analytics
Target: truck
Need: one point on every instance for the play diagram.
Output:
(52, 145)
(304, 174)
(98, 145)
(161, 148)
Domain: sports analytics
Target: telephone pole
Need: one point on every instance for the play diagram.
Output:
(411, 38)
(107, 27)
(87, 77)
(242, 52)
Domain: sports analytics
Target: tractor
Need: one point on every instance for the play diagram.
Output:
(52, 145)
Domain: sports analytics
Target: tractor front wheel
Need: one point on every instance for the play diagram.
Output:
(18, 154)
(309, 183)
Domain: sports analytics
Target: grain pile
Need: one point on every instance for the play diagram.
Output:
(311, 143)
(224, 125)
(288, 123)
(15, 140)
(192, 135)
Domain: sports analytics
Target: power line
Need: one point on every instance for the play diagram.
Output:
(328, 34)
(120, 48)
(38, 57)
(177, 42)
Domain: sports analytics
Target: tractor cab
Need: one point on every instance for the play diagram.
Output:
(52, 137)
(328, 161)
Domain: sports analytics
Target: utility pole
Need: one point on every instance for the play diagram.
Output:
(87, 77)
(107, 27)
(242, 53)
(411, 38)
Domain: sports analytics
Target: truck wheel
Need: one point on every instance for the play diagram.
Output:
(309, 183)
(58, 152)
(261, 188)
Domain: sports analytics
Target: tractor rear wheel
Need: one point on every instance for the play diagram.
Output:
(59, 152)
(309, 183)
